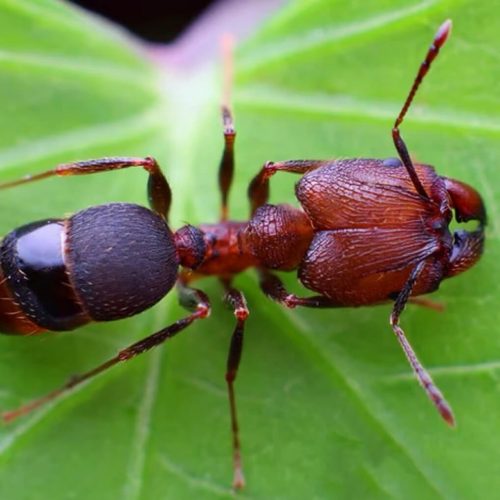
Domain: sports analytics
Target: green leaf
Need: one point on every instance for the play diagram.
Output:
(328, 405)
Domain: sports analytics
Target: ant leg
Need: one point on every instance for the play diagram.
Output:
(273, 287)
(258, 189)
(425, 302)
(439, 40)
(421, 373)
(201, 310)
(159, 193)
(236, 300)
(226, 167)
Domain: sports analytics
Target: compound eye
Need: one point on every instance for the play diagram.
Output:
(439, 224)
(392, 162)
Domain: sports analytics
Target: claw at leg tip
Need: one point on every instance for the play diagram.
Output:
(239, 480)
(7, 417)
(447, 414)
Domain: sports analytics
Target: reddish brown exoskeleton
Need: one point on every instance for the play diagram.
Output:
(368, 231)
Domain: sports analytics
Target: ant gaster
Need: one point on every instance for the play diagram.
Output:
(368, 231)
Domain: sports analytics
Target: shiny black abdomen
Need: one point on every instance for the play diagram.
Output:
(104, 263)
(33, 265)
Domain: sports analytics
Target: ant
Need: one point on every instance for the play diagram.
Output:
(368, 231)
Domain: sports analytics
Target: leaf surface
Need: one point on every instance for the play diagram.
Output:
(328, 405)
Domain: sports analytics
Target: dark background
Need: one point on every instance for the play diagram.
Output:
(152, 20)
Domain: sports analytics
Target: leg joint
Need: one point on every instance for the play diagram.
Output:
(241, 313)
(202, 311)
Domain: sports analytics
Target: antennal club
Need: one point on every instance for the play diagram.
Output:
(439, 40)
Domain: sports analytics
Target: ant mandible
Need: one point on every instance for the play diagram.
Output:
(368, 231)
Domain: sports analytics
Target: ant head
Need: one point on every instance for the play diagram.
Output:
(467, 245)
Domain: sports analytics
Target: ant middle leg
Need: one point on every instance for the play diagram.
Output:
(236, 300)
(200, 310)
(159, 192)
(399, 143)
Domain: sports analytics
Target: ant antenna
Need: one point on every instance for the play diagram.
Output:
(439, 40)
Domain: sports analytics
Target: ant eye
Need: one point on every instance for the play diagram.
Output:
(439, 224)
(392, 162)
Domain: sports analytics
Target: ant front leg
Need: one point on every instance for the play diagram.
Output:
(421, 373)
(258, 189)
(236, 300)
(273, 287)
(159, 192)
(399, 143)
(428, 303)
(201, 310)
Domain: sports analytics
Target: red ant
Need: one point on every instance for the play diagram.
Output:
(369, 231)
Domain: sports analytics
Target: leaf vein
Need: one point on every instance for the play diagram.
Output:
(95, 135)
(355, 391)
(269, 97)
(196, 482)
(134, 481)
(93, 67)
(452, 370)
(290, 46)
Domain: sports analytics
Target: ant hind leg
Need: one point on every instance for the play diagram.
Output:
(201, 309)
(159, 192)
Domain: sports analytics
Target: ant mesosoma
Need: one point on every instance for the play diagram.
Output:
(368, 231)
